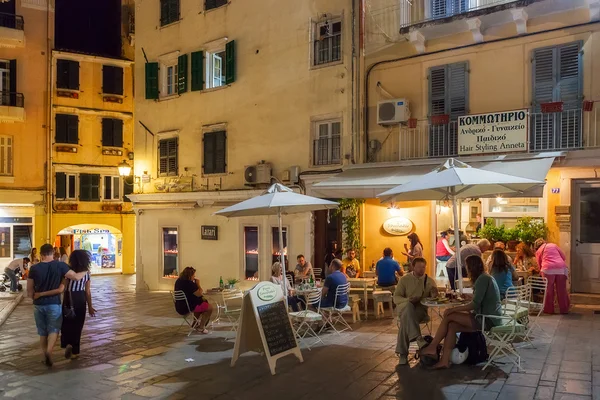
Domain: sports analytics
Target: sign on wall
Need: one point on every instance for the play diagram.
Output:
(209, 232)
(500, 132)
(398, 226)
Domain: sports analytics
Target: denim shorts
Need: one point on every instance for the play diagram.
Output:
(48, 318)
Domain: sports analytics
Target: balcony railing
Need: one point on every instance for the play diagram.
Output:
(327, 151)
(12, 99)
(11, 21)
(417, 11)
(560, 131)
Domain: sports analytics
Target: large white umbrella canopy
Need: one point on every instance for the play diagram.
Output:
(456, 180)
(278, 200)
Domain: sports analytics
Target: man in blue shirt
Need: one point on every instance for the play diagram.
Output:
(387, 270)
(333, 280)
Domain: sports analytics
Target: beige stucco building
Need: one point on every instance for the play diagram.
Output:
(26, 31)
(430, 63)
(227, 101)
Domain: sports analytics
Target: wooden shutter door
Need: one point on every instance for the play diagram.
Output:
(164, 12)
(544, 91)
(209, 153)
(182, 69)
(118, 80)
(107, 79)
(197, 70)
(60, 128)
(85, 182)
(437, 106)
(117, 132)
(73, 129)
(152, 81)
(570, 93)
(61, 185)
(230, 69)
(107, 134)
(95, 187)
(220, 152)
(73, 75)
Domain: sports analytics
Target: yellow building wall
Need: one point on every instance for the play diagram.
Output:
(124, 223)
(376, 239)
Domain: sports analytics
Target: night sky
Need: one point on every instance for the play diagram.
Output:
(89, 26)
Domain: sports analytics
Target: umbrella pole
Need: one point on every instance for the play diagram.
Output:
(457, 242)
(282, 256)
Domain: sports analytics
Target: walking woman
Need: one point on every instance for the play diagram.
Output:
(551, 261)
(77, 295)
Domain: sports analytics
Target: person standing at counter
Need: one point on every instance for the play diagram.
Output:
(443, 251)
(416, 248)
(467, 250)
(551, 261)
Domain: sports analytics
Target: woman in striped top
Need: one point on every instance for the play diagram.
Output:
(79, 292)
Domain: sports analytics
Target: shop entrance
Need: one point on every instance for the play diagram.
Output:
(328, 229)
(104, 242)
(586, 237)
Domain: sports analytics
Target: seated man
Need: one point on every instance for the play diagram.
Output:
(410, 290)
(335, 278)
(304, 269)
(388, 270)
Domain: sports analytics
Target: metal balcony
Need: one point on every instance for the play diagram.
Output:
(12, 107)
(561, 131)
(12, 32)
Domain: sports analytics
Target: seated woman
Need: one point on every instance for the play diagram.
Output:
(525, 260)
(443, 251)
(503, 271)
(486, 301)
(190, 286)
(278, 279)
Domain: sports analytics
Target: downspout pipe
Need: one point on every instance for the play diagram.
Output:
(49, 199)
(370, 68)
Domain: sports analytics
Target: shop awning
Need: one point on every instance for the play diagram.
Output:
(367, 181)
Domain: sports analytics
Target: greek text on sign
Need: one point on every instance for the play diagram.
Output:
(500, 132)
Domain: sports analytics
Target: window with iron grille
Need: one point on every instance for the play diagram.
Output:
(67, 74)
(168, 157)
(327, 45)
(448, 96)
(557, 77)
(169, 11)
(327, 147)
(215, 152)
(211, 4)
(6, 155)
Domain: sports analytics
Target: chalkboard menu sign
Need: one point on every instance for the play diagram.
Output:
(276, 326)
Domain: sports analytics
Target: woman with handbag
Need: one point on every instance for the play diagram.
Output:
(551, 261)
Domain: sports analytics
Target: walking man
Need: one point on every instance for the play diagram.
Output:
(46, 276)
(11, 272)
(410, 290)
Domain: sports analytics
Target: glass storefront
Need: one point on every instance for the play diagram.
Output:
(170, 253)
(103, 243)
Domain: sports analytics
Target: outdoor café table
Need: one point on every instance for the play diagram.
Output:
(439, 308)
(364, 283)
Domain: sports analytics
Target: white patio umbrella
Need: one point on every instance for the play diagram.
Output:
(277, 200)
(456, 180)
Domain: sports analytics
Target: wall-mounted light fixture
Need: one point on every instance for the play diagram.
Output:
(124, 169)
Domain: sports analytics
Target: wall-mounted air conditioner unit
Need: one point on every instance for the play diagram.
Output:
(258, 174)
(391, 112)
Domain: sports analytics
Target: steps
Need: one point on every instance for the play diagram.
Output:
(585, 298)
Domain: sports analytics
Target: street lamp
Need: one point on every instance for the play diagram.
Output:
(124, 168)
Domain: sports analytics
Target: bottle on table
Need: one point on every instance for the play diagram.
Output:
(221, 285)
(311, 281)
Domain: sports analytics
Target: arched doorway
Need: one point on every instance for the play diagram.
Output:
(104, 242)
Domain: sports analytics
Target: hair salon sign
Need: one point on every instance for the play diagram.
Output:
(501, 132)
(398, 226)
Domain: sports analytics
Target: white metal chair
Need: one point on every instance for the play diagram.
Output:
(290, 280)
(538, 284)
(305, 319)
(179, 295)
(334, 315)
(317, 272)
(232, 307)
(501, 337)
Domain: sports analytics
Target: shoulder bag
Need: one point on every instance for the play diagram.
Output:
(68, 310)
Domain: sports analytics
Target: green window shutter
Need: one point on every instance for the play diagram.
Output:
(182, 69)
(168, 157)
(458, 93)
(197, 70)
(127, 187)
(544, 77)
(220, 152)
(72, 129)
(209, 152)
(107, 187)
(230, 70)
(107, 132)
(61, 185)
(570, 78)
(118, 132)
(152, 80)
(60, 128)
(95, 187)
(85, 183)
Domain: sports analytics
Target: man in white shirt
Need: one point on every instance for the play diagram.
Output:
(11, 272)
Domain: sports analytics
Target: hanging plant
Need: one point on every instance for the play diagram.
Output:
(349, 211)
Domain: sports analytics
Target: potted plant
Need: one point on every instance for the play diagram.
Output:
(511, 238)
(231, 283)
(492, 232)
(531, 229)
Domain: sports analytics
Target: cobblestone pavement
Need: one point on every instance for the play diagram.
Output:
(134, 350)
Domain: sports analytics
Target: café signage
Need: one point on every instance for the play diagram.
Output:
(501, 132)
(209, 232)
(90, 231)
(398, 226)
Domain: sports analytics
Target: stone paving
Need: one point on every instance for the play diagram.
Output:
(134, 350)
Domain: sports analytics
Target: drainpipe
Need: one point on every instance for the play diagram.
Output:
(49, 204)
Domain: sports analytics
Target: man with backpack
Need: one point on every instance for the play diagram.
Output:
(410, 290)
(47, 276)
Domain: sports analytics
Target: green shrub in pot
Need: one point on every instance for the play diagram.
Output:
(531, 229)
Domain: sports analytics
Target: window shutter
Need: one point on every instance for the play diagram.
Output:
(458, 95)
(107, 133)
(182, 69)
(162, 157)
(164, 12)
(209, 153)
(60, 128)
(438, 8)
(62, 74)
(72, 129)
(543, 77)
(570, 85)
(152, 80)
(112, 80)
(61, 185)
(197, 70)
(12, 76)
(85, 182)
(117, 132)
(173, 162)
(71, 180)
(210, 4)
(127, 187)
(95, 187)
(118, 85)
(73, 75)
(107, 187)
(230, 69)
(167, 157)
(437, 91)
(220, 152)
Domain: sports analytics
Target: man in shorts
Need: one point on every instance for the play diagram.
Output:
(47, 276)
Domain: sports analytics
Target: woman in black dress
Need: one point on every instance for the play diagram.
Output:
(80, 294)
